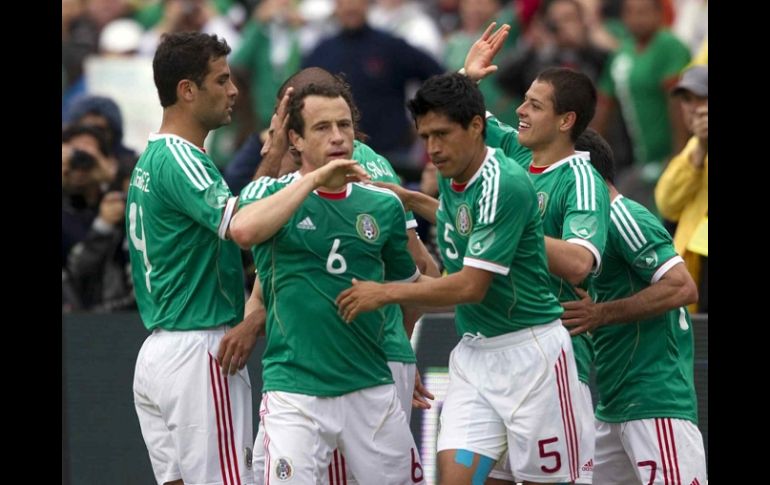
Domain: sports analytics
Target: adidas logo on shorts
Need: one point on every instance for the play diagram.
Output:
(588, 467)
(306, 224)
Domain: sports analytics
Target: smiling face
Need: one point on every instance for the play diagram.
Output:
(456, 152)
(539, 125)
(216, 96)
(328, 131)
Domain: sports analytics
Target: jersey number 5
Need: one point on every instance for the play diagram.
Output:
(335, 262)
(138, 242)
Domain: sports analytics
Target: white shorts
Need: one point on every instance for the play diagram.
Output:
(196, 422)
(403, 375)
(368, 427)
(518, 391)
(502, 469)
(651, 451)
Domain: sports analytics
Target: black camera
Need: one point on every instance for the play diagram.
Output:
(81, 160)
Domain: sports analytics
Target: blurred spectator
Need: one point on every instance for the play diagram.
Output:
(639, 77)
(79, 37)
(103, 113)
(378, 67)
(691, 22)
(475, 16)
(407, 19)
(682, 191)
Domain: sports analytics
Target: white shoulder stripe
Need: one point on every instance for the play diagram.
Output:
(381, 190)
(180, 161)
(196, 168)
(624, 228)
(631, 219)
(578, 185)
(490, 191)
(585, 184)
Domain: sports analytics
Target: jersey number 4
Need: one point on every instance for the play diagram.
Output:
(134, 216)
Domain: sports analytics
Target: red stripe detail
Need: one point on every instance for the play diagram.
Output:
(565, 417)
(336, 466)
(673, 448)
(663, 451)
(331, 475)
(534, 169)
(232, 437)
(224, 426)
(570, 416)
(344, 474)
(458, 187)
(333, 195)
(212, 369)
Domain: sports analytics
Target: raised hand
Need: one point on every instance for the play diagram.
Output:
(478, 61)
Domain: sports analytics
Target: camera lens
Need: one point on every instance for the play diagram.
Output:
(82, 160)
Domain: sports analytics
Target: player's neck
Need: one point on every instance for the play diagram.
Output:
(479, 155)
(180, 124)
(547, 156)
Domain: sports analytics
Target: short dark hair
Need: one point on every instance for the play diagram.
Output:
(452, 95)
(602, 157)
(321, 77)
(327, 90)
(99, 134)
(184, 55)
(572, 91)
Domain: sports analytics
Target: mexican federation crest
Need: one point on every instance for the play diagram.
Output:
(283, 469)
(463, 221)
(367, 228)
(542, 200)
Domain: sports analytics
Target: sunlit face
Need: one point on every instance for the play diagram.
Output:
(328, 132)
(451, 147)
(216, 96)
(538, 121)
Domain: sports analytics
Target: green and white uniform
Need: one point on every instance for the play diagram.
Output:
(513, 337)
(312, 353)
(189, 289)
(574, 204)
(644, 369)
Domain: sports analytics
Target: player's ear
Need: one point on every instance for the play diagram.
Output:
(296, 140)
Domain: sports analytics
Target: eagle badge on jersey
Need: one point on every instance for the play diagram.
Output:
(542, 201)
(367, 228)
(463, 221)
(283, 470)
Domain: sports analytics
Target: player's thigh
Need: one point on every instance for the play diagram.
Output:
(403, 379)
(665, 450)
(300, 435)
(462, 467)
(158, 439)
(376, 440)
(551, 431)
(612, 465)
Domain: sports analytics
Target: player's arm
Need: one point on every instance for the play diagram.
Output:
(237, 344)
(261, 219)
(422, 204)
(469, 285)
(422, 258)
(569, 261)
(674, 289)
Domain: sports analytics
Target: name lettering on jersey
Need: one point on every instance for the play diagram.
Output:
(141, 180)
(463, 220)
(367, 227)
(377, 169)
(584, 226)
(647, 260)
(306, 224)
(283, 469)
(542, 202)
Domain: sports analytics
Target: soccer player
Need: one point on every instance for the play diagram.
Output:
(573, 201)
(398, 328)
(327, 384)
(646, 429)
(512, 376)
(196, 423)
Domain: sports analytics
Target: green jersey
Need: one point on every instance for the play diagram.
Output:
(574, 203)
(492, 223)
(329, 240)
(644, 369)
(396, 343)
(186, 276)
